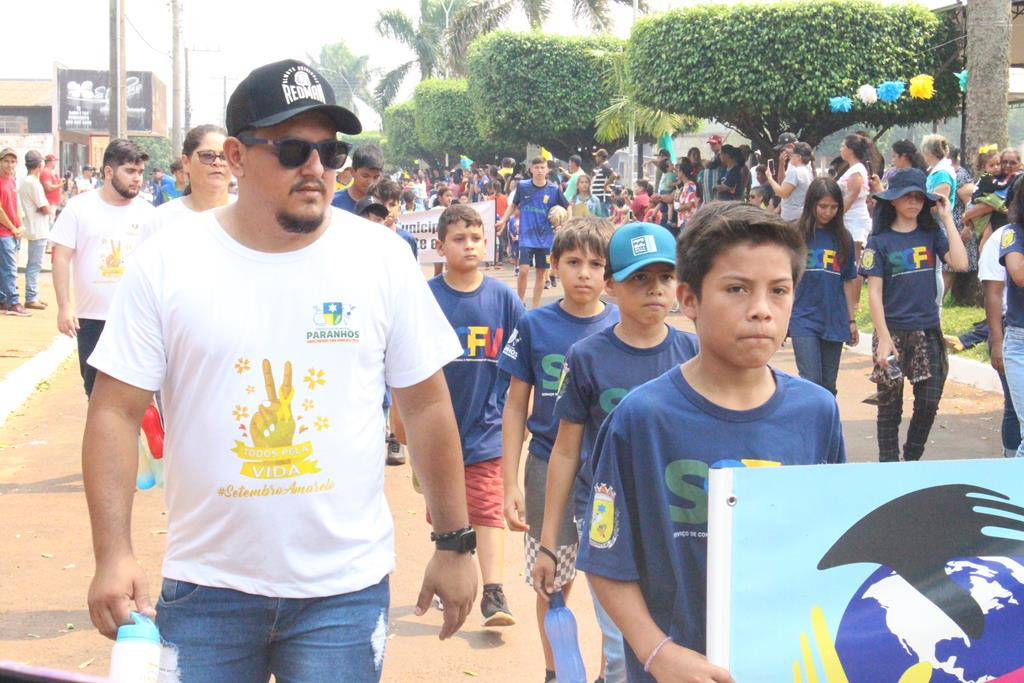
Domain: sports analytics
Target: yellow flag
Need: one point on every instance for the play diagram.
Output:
(545, 154)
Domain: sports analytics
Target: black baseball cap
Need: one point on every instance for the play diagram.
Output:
(276, 92)
(370, 204)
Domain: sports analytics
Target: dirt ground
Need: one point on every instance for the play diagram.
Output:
(46, 559)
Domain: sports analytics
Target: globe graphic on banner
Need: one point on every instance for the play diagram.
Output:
(888, 626)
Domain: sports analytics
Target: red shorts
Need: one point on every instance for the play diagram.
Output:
(485, 494)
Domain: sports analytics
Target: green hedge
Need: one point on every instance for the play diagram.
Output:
(536, 88)
(445, 122)
(399, 124)
(768, 68)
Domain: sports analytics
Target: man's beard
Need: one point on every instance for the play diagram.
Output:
(124, 190)
(295, 224)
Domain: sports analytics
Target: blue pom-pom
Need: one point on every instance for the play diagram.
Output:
(890, 91)
(840, 104)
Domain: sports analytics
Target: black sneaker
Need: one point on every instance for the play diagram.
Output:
(395, 455)
(495, 607)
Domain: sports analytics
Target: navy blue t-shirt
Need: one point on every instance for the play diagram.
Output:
(535, 354)
(534, 202)
(1012, 241)
(906, 262)
(482, 319)
(599, 371)
(410, 240)
(819, 307)
(649, 507)
(343, 201)
(732, 178)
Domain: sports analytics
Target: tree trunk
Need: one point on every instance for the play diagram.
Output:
(988, 62)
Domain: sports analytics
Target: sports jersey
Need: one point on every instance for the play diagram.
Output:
(534, 202)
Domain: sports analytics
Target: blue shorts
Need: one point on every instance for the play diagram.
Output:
(534, 256)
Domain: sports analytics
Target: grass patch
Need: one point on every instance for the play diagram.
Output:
(955, 320)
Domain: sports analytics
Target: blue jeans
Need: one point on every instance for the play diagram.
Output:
(817, 360)
(36, 250)
(231, 637)
(8, 270)
(1013, 361)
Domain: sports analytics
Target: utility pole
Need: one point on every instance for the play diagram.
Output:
(177, 131)
(188, 98)
(115, 82)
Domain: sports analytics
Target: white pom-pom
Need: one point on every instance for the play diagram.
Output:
(867, 94)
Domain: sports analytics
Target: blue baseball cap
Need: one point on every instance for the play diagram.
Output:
(636, 245)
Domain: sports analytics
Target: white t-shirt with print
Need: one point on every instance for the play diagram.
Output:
(800, 178)
(275, 488)
(104, 237)
(989, 268)
(170, 213)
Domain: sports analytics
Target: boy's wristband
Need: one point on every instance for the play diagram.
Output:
(554, 558)
(654, 653)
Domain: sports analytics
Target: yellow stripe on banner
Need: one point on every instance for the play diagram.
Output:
(826, 648)
(805, 649)
(919, 673)
(798, 675)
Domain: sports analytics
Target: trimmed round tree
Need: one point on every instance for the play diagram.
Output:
(766, 69)
(445, 121)
(399, 124)
(541, 89)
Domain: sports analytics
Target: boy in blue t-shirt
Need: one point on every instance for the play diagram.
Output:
(533, 358)
(483, 312)
(598, 372)
(644, 544)
(534, 198)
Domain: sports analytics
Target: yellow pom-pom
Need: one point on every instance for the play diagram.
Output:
(922, 87)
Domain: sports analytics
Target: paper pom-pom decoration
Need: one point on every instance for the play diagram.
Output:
(962, 77)
(890, 91)
(840, 104)
(867, 94)
(922, 87)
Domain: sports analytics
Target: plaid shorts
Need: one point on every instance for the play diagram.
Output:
(536, 483)
(565, 570)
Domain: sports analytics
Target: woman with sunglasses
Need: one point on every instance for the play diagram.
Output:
(202, 157)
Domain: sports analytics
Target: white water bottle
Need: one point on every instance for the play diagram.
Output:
(136, 654)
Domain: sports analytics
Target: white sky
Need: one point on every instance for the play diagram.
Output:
(241, 35)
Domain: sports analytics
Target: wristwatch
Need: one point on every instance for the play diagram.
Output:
(460, 540)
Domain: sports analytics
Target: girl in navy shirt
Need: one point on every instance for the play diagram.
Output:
(826, 298)
(899, 261)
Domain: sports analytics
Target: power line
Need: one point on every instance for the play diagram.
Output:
(143, 38)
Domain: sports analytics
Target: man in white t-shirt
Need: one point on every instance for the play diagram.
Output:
(271, 327)
(37, 210)
(95, 237)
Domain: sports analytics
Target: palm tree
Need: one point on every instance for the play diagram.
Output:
(614, 120)
(478, 17)
(425, 39)
(348, 74)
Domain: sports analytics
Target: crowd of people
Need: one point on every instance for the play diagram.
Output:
(207, 296)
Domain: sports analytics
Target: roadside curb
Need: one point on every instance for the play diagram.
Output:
(22, 381)
(962, 370)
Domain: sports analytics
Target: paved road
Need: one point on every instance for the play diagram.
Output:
(46, 560)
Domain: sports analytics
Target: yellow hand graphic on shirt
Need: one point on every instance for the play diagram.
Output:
(272, 425)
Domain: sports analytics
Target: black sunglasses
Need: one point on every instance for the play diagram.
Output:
(292, 152)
